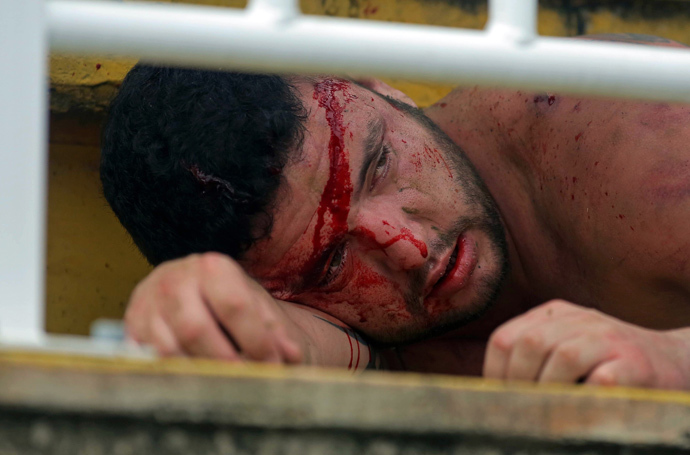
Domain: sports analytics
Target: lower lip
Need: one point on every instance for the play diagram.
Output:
(460, 274)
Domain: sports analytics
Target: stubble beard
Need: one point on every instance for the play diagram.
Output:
(488, 288)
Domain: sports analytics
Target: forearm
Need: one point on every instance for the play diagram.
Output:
(325, 341)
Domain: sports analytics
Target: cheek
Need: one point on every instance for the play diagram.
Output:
(368, 302)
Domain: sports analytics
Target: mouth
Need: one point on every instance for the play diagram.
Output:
(458, 270)
(451, 263)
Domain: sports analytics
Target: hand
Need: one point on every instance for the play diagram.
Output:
(207, 306)
(562, 342)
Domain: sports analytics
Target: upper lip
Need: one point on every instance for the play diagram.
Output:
(436, 273)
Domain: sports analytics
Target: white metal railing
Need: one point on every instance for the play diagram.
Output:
(23, 162)
(270, 35)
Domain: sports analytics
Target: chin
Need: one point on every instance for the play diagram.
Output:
(444, 315)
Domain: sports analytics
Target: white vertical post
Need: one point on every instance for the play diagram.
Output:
(268, 11)
(22, 167)
(513, 19)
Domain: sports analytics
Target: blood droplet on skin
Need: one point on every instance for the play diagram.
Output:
(574, 179)
(436, 156)
(621, 216)
(577, 138)
(552, 99)
(417, 162)
(443, 104)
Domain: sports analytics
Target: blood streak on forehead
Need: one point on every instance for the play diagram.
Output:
(335, 199)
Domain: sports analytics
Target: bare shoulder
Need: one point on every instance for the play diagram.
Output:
(647, 187)
(633, 38)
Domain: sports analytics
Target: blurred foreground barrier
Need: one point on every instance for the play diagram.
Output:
(72, 405)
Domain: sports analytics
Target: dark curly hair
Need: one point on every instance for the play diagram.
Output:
(191, 160)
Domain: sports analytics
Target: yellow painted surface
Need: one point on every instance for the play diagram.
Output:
(92, 265)
(676, 28)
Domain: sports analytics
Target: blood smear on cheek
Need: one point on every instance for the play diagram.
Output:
(377, 297)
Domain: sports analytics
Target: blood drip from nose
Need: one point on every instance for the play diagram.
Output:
(405, 234)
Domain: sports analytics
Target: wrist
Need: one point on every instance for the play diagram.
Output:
(680, 353)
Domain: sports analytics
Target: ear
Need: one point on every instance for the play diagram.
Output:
(384, 89)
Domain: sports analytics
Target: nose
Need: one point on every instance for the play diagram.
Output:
(402, 244)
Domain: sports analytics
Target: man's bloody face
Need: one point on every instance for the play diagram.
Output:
(381, 222)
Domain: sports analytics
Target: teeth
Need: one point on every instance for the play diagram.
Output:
(451, 263)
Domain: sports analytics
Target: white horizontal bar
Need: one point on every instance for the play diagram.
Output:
(233, 39)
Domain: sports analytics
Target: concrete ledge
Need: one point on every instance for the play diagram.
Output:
(82, 401)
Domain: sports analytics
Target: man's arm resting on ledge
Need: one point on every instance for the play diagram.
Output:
(329, 342)
(207, 306)
(562, 342)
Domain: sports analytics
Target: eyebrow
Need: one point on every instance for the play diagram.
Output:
(372, 146)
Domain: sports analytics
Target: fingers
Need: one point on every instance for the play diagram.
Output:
(163, 338)
(618, 373)
(242, 319)
(206, 306)
(528, 355)
(573, 360)
(559, 342)
(195, 328)
(634, 368)
(241, 309)
(519, 348)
